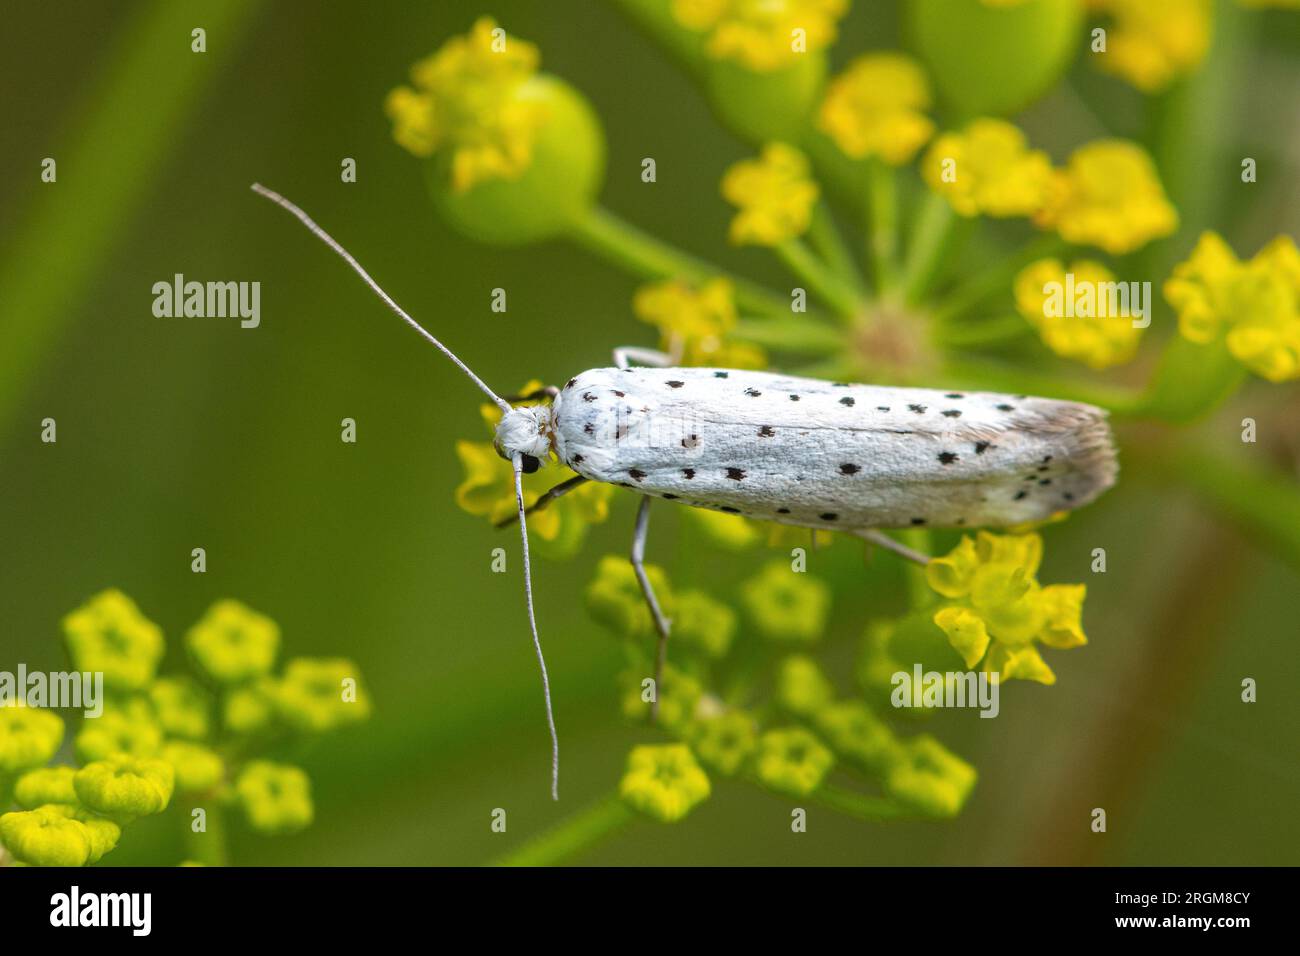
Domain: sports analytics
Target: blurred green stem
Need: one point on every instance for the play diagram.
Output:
(618, 241)
(996, 278)
(579, 832)
(830, 245)
(993, 331)
(823, 280)
(918, 586)
(858, 805)
(930, 241)
(208, 847)
(126, 124)
(882, 225)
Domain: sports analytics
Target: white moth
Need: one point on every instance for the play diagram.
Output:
(798, 451)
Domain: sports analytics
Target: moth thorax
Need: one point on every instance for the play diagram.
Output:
(526, 431)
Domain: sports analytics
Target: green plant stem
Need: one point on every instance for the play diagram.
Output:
(618, 241)
(919, 591)
(795, 334)
(882, 225)
(858, 805)
(930, 241)
(209, 847)
(579, 832)
(1003, 328)
(801, 261)
(107, 166)
(996, 278)
(830, 245)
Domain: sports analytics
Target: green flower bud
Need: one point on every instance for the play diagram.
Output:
(679, 697)
(29, 736)
(182, 706)
(766, 106)
(891, 647)
(124, 787)
(316, 695)
(104, 834)
(109, 634)
(930, 779)
(555, 191)
(858, 736)
(703, 623)
(801, 687)
(792, 761)
(197, 768)
(275, 798)
(249, 708)
(46, 785)
(995, 58)
(45, 837)
(614, 597)
(786, 606)
(123, 728)
(233, 643)
(514, 155)
(726, 741)
(663, 781)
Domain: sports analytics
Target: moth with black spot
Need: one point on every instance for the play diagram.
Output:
(797, 451)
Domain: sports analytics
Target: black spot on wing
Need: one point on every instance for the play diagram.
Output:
(766, 431)
(847, 401)
(674, 384)
(849, 469)
(947, 457)
(736, 474)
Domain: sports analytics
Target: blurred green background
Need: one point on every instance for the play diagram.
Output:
(183, 433)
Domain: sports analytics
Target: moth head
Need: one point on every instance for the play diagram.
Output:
(527, 432)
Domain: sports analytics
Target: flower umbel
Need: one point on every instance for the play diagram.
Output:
(759, 34)
(1109, 195)
(774, 195)
(1257, 301)
(1099, 336)
(465, 98)
(988, 168)
(693, 323)
(1154, 42)
(877, 108)
(664, 781)
(999, 610)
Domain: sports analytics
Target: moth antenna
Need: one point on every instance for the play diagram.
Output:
(518, 462)
(346, 256)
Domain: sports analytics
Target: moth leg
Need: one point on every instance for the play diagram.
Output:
(559, 491)
(546, 391)
(883, 540)
(625, 355)
(661, 623)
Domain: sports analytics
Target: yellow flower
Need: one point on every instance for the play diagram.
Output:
(988, 168)
(1257, 301)
(1109, 195)
(787, 606)
(693, 323)
(774, 195)
(664, 781)
(760, 34)
(232, 643)
(725, 741)
(467, 98)
(876, 108)
(1096, 334)
(999, 610)
(1154, 42)
(29, 736)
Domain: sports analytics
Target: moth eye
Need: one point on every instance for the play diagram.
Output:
(530, 464)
